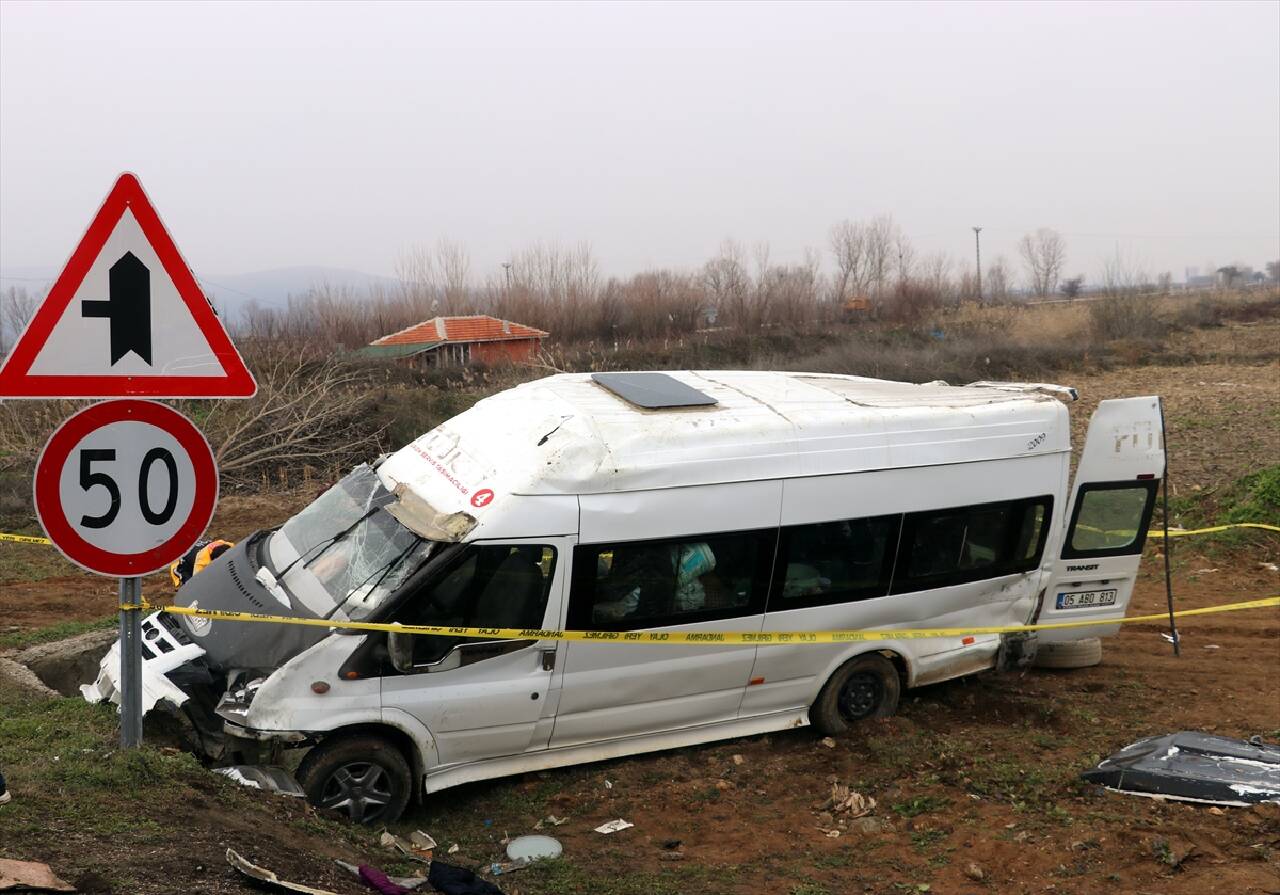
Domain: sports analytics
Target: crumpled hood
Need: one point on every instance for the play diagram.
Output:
(228, 583)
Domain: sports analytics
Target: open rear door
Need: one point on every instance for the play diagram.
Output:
(1106, 524)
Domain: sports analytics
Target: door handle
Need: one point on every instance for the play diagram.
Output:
(548, 658)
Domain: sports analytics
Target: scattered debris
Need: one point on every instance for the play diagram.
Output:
(272, 779)
(672, 844)
(614, 826)
(671, 856)
(1211, 646)
(845, 800)
(1269, 566)
(534, 848)
(30, 876)
(974, 872)
(266, 877)
(451, 880)
(453, 849)
(405, 882)
(550, 821)
(1193, 767)
(828, 742)
(418, 847)
(608, 784)
(738, 759)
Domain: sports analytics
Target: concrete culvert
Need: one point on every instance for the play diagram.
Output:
(66, 664)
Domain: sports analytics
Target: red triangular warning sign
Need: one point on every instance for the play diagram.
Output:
(125, 318)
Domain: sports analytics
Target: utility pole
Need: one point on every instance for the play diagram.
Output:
(977, 248)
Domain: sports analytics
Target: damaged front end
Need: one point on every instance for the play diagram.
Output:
(340, 559)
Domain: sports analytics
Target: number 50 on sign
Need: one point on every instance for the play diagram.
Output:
(123, 487)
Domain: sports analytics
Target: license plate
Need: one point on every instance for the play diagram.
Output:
(1087, 599)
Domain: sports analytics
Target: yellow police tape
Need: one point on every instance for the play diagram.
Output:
(1153, 533)
(694, 637)
(23, 539)
(1180, 532)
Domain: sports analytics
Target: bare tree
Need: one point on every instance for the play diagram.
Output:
(1273, 271)
(999, 281)
(1122, 273)
(1044, 253)
(306, 411)
(882, 236)
(848, 243)
(16, 307)
(905, 262)
(935, 271)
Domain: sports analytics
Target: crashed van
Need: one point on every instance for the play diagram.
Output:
(658, 502)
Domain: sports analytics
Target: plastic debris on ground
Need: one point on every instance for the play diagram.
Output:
(1194, 767)
(418, 847)
(272, 779)
(534, 848)
(550, 821)
(408, 883)
(268, 879)
(30, 876)
(614, 826)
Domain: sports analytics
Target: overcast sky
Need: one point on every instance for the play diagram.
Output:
(337, 134)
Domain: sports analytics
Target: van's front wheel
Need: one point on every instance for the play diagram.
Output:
(865, 687)
(364, 777)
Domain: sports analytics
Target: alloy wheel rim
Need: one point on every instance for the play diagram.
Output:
(359, 789)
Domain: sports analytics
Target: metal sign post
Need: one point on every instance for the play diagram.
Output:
(131, 662)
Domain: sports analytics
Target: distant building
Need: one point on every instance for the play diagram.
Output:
(455, 341)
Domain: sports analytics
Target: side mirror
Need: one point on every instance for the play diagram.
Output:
(400, 650)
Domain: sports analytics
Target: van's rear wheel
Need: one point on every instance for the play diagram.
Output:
(865, 687)
(1070, 654)
(364, 777)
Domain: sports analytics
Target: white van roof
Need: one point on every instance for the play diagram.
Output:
(568, 434)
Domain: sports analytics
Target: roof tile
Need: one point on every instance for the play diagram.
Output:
(480, 328)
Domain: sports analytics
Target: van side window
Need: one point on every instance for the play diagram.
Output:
(639, 584)
(945, 547)
(1111, 519)
(836, 562)
(486, 586)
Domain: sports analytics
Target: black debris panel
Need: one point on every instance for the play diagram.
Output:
(1194, 767)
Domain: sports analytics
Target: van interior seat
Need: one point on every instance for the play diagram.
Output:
(512, 598)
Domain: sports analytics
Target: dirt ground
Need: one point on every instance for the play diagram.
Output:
(976, 781)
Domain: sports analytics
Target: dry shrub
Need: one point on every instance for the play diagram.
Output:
(1127, 317)
(310, 416)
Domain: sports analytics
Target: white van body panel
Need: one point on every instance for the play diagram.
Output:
(565, 461)
(286, 702)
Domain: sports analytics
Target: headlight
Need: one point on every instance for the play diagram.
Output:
(235, 703)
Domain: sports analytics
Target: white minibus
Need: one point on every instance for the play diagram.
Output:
(736, 501)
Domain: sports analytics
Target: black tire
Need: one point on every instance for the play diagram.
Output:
(364, 777)
(865, 687)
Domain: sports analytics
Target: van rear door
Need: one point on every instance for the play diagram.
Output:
(1121, 466)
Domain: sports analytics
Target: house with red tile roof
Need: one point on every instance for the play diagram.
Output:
(454, 341)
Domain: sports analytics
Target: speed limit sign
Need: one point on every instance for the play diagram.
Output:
(126, 487)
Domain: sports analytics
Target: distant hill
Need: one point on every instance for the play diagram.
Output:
(231, 292)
